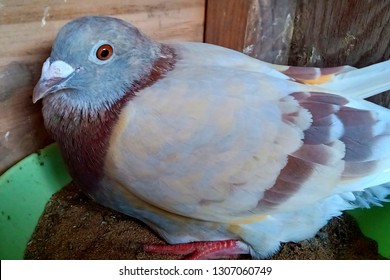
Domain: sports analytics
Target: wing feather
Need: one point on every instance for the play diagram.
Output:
(245, 142)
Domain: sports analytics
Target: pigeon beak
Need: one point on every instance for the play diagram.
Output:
(53, 78)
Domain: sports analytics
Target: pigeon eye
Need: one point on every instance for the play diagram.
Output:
(104, 52)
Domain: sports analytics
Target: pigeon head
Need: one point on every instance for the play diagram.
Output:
(94, 61)
(96, 66)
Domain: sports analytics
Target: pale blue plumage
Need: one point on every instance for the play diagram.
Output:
(204, 143)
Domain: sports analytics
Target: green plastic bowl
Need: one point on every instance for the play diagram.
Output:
(26, 188)
(24, 191)
(375, 224)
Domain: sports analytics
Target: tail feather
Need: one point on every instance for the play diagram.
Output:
(361, 83)
(344, 80)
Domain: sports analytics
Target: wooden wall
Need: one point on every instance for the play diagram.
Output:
(27, 29)
(321, 33)
(303, 32)
(295, 32)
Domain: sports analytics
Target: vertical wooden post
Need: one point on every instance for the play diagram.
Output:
(334, 32)
(270, 29)
(302, 32)
(226, 22)
(259, 28)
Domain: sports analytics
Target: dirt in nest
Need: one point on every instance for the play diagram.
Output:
(74, 227)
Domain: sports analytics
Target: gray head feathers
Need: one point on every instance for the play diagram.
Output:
(99, 82)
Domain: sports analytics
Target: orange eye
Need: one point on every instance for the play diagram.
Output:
(104, 52)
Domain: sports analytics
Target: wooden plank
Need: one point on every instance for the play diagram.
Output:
(226, 22)
(27, 30)
(303, 32)
(334, 32)
(259, 28)
(269, 30)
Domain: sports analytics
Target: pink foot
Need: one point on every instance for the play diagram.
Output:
(201, 250)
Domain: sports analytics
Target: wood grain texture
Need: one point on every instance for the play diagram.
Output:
(27, 30)
(334, 32)
(226, 22)
(303, 32)
(259, 28)
(269, 30)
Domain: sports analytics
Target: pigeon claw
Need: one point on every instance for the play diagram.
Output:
(202, 250)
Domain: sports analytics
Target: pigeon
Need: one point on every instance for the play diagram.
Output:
(219, 153)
